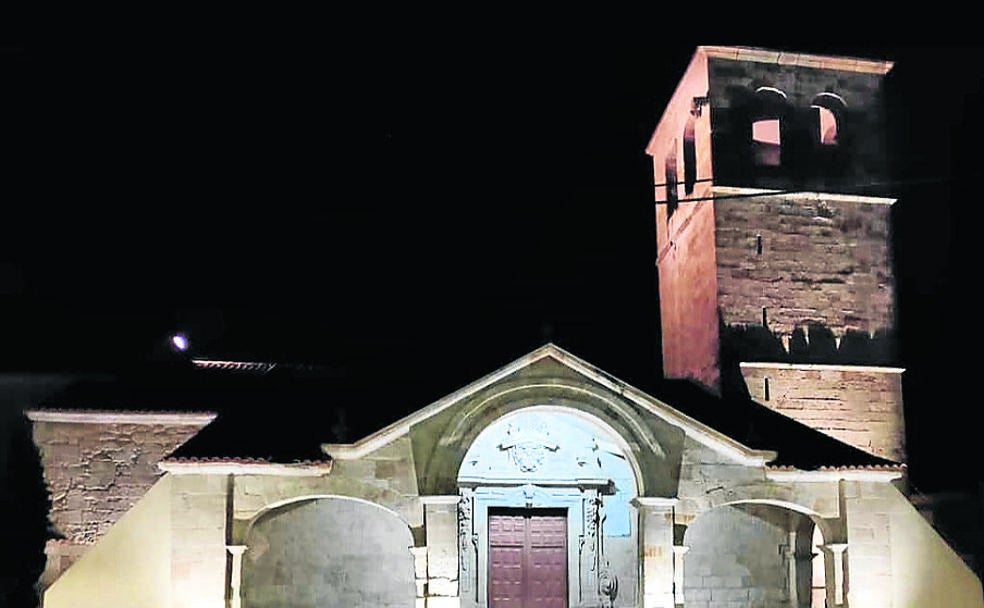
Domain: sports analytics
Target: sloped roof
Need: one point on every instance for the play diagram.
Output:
(755, 425)
(284, 418)
(741, 426)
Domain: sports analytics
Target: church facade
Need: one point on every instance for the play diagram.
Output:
(770, 471)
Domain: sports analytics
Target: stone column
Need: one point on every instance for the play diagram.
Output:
(678, 552)
(833, 554)
(791, 568)
(441, 524)
(236, 575)
(662, 563)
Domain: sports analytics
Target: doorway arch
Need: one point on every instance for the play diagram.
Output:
(560, 475)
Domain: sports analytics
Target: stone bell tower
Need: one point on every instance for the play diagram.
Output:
(773, 237)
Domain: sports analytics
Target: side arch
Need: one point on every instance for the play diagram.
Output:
(272, 508)
(328, 550)
(758, 552)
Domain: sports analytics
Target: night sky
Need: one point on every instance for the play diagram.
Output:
(415, 211)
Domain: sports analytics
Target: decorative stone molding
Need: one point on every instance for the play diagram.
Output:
(467, 546)
(120, 417)
(878, 475)
(588, 566)
(655, 502)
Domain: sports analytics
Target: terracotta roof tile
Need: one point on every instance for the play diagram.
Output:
(236, 460)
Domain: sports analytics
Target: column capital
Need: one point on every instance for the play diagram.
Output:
(836, 553)
(655, 502)
(236, 550)
(440, 499)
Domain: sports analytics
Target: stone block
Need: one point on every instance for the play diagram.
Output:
(419, 562)
(443, 602)
(734, 594)
(441, 586)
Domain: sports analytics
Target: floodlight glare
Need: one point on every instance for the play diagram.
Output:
(180, 342)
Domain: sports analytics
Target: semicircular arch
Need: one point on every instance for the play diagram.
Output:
(653, 447)
(273, 508)
(329, 549)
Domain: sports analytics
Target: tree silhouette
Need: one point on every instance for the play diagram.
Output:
(24, 506)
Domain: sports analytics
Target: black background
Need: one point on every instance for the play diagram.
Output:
(414, 207)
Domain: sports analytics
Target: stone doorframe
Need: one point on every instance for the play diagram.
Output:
(588, 575)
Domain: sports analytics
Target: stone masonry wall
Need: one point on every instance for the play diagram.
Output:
(736, 558)
(329, 551)
(825, 261)
(96, 472)
(688, 306)
(385, 477)
(860, 406)
(684, 240)
(889, 541)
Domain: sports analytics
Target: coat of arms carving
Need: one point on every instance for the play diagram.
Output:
(527, 446)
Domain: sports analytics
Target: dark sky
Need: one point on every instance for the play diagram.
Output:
(413, 209)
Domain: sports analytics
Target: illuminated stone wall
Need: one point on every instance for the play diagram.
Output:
(533, 439)
(130, 566)
(825, 261)
(199, 558)
(861, 406)
(385, 476)
(97, 466)
(735, 557)
(685, 238)
(688, 298)
(897, 559)
(329, 551)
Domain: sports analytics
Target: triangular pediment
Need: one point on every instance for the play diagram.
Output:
(547, 369)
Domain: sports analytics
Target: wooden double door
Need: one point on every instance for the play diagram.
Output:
(527, 558)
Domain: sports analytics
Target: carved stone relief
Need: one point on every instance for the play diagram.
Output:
(467, 545)
(528, 445)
